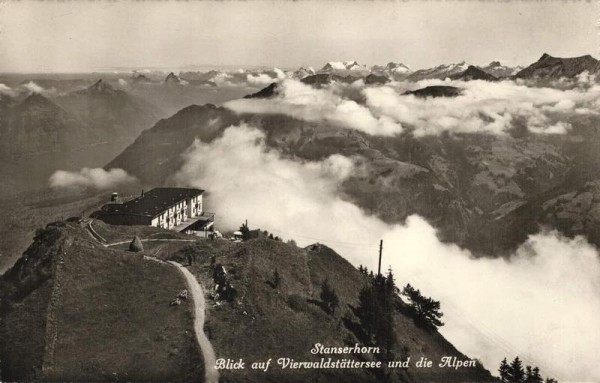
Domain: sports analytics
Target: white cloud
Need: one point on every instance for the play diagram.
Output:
(223, 79)
(7, 90)
(315, 105)
(259, 79)
(33, 87)
(542, 304)
(279, 73)
(90, 177)
(482, 107)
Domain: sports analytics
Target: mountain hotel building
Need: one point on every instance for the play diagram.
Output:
(178, 209)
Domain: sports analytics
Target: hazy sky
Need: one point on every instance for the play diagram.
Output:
(101, 35)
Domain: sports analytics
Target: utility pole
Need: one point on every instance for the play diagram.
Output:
(380, 251)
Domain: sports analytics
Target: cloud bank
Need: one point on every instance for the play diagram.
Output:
(318, 105)
(542, 304)
(7, 90)
(32, 87)
(482, 107)
(97, 178)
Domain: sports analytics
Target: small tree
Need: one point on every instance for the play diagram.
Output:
(387, 293)
(334, 302)
(366, 310)
(375, 311)
(245, 231)
(504, 371)
(426, 311)
(329, 297)
(517, 375)
(276, 279)
(528, 374)
(535, 376)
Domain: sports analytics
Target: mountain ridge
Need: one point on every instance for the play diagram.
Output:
(455, 182)
(549, 67)
(42, 286)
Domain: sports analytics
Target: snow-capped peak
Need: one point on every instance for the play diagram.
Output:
(304, 72)
(397, 68)
(343, 65)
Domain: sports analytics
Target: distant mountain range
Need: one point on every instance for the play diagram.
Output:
(473, 73)
(81, 128)
(498, 70)
(438, 72)
(140, 78)
(303, 72)
(345, 66)
(548, 67)
(112, 113)
(37, 125)
(172, 79)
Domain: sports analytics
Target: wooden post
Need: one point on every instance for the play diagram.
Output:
(380, 252)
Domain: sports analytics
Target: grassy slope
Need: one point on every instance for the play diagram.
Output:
(113, 233)
(23, 333)
(111, 318)
(286, 322)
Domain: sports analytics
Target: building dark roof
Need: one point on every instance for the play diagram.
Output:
(153, 202)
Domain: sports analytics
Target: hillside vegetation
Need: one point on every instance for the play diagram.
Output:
(286, 319)
(73, 310)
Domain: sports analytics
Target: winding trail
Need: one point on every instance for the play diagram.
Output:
(211, 374)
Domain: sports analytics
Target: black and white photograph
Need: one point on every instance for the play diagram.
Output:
(272, 191)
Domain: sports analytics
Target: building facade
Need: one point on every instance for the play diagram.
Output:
(179, 209)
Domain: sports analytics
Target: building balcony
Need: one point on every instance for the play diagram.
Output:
(208, 216)
(200, 222)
